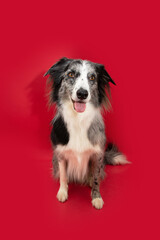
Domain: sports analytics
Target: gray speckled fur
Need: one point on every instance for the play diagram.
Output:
(55, 166)
(97, 175)
(96, 133)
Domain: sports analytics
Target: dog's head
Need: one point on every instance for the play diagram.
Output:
(80, 82)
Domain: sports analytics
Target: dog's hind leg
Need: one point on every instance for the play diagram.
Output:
(97, 167)
(62, 194)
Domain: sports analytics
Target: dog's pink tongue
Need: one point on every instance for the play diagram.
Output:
(79, 106)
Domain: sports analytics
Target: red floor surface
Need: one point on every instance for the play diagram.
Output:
(123, 35)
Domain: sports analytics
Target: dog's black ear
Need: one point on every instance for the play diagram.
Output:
(56, 74)
(104, 75)
(58, 68)
(103, 86)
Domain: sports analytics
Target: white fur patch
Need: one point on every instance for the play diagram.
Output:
(62, 194)
(120, 160)
(97, 203)
(79, 149)
(78, 125)
(82, 81)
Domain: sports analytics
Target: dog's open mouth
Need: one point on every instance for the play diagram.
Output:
(79, 106)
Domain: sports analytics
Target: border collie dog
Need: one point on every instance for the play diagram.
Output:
(80, 89)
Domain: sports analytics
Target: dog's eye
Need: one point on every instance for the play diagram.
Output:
(92, 77)
(71, 74)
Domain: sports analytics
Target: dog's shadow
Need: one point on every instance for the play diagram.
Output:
(37, 95)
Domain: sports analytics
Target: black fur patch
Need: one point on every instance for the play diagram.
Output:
(59, 133)
(103, 81)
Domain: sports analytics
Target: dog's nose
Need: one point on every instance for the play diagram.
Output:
(82, 94)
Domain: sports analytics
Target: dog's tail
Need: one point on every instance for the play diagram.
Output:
(113, 156)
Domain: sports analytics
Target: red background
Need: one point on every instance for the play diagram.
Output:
(123, 35)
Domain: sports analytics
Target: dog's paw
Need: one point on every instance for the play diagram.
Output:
(62, 195)
(97, 203)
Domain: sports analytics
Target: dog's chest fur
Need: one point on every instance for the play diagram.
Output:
(79, 148)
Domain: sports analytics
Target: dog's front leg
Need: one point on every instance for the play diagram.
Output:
(97, 200)
(62, 194)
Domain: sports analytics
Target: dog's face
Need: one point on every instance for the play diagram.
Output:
(80, 82)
